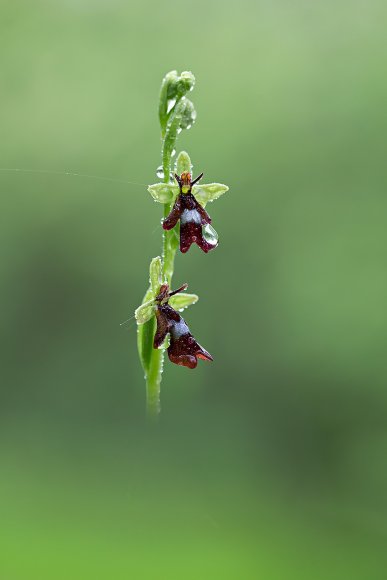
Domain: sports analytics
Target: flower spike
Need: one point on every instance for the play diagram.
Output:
(186, 221)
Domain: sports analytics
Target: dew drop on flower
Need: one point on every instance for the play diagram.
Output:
(210, 235)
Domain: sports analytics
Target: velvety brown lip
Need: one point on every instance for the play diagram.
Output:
(183, 349)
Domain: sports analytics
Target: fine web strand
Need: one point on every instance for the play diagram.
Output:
(71, 174)
(126, 323)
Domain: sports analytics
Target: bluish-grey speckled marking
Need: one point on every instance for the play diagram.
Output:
(190, 215)
(179, 329)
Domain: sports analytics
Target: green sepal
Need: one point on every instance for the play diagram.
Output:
(181, 301)
(208, 192)
(164, 192)
(155, 275)
(145, 312)
(183, 163)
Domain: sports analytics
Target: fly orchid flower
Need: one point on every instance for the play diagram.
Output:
(183, 349)
(192, 216)
(187, 200)
(163, 304)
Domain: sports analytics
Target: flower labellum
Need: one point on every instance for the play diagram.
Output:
(183, 349)
(192, 216)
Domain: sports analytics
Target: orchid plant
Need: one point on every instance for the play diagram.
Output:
(160, 326)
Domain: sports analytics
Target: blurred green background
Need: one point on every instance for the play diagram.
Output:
(270, 462)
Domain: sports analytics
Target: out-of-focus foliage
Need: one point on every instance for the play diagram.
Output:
(270, 462)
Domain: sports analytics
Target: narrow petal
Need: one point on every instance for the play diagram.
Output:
(162, 328)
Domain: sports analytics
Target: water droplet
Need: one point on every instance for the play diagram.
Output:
(160, 173)
(210, 235)
(170, 104)
(173, 153)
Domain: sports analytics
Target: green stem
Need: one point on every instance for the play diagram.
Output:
(157, 357)
(153, 383)
(169, 249)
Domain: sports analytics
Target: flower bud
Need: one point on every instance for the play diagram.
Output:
(184, 84)
(188, 116)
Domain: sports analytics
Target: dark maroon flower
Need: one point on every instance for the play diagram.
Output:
(183, 348)
(191, 214)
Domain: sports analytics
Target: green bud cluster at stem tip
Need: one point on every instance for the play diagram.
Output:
(176, 113)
